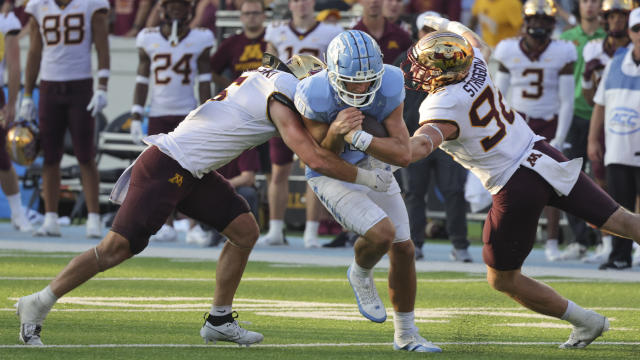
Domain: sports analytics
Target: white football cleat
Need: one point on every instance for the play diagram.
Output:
(273, 241)
(32, 316)
(551, 251)
(21, 223)
(581, 336)
(311, 242)
(94, 229)
(574, 251)
(197, 236)
(231, 332)
(369, 302)
(414, 342)
(48, 229)
(166, 234)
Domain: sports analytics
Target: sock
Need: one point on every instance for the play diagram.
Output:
(552, 243)
(47, 297)
(574, 314)
(15, 204)
(220, 310)
(93, 217)
(360, 271)
(50, 218)
(275, 229)
(403, 322)
(311, 229)
(219, 320)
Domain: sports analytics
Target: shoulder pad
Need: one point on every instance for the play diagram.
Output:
(314, 94)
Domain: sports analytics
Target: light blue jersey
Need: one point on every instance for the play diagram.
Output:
(318, 101)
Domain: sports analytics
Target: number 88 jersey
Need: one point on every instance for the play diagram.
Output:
(492, 139)
(173, 69)
(66, 37)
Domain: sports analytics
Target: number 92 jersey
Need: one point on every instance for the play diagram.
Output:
(492, 140)
(534, 81)
(173, 69)
(66, 37)
(236, 119)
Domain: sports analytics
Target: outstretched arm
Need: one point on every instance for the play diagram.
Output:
(426, 139)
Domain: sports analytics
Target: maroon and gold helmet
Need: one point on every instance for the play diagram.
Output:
(190, 10)
(23, 143)
(438, 59)
(539, 18)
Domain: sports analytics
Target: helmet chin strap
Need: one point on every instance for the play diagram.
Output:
(173, 38)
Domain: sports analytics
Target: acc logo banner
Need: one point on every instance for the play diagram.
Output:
(624, 121)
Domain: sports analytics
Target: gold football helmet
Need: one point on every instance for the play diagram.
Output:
(539, 18)
(539, 7)
(301, 66)
(619, 5)
(438, 59)
(22, 142)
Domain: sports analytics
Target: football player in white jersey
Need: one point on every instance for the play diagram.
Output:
(302, 35)
(538, 71)
(177, 171)
(176, 55)
(466, 116)
(598, 52)
(9, 30)
(61, 33)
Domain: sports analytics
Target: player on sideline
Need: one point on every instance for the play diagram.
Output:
(332, 103)
(465, 115)
(175, 56)
(176, 171)
(538, 71)
(9, 29)
(60, 37)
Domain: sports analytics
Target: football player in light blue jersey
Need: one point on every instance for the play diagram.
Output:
(333, 103)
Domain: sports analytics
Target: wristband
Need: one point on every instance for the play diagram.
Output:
(587, 84)
(361, 140)
(142, 79)
(137, 109)
(430, 141)
(438, 130)
(204, 77)
(103, 73)
(102, 87)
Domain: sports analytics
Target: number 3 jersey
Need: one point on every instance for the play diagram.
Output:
(491, 139)
(66, 37)
(173, 69)
(534, 80)
(222, 128)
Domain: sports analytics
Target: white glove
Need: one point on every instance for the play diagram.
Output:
(136, 131)
(98, 102)
(378, 164)
(27, 109)
(377, 179)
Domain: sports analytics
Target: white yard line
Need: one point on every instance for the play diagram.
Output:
(284, 346)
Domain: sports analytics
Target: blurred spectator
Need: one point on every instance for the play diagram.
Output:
(617, 116)
(450, 9)
(130, 16)
(391, 38)
(449, 178)
(244, 50)
(498, 19)
(588, 29)
(392, 10)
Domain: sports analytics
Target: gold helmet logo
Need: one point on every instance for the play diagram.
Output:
(22, 143)
(540, 8)
(438, 59)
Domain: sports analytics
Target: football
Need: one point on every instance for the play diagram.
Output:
(371, 125)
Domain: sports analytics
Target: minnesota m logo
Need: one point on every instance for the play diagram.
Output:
(251, 52)
(533, 158)
(176, 179)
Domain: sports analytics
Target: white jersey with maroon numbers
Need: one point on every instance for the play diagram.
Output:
(8, 22)
(534, 83)
(492, 140)
(66, 37)
(222, 128)
(173, 69)
(290, 41)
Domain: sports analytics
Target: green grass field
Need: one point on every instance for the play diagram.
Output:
(152, 309)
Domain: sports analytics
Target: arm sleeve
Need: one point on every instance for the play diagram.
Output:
(566, 89)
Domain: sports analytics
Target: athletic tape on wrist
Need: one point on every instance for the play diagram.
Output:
(438, 130)
(103, 73)
(361, 140)
(204, 77)
(587, 84)
(430, 141)
(137, 109)
(142, 79)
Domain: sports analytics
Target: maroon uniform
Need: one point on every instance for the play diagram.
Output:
(239, 53)
(247, 161)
